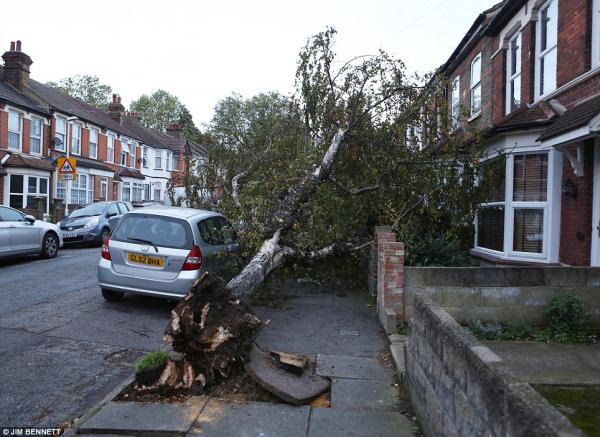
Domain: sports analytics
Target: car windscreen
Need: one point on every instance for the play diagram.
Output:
(154, 229)
(90, 210)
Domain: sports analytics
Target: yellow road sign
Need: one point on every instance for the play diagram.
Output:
(67, 167)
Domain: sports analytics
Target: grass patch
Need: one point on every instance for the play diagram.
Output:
(579, 404)
(151, 361)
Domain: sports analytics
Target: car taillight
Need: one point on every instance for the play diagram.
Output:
(193, 260)
(105, 250)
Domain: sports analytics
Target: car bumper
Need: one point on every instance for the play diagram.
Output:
(177, 288)
(89, 235)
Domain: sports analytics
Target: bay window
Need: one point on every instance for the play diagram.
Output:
(94, 143)
(81, 189)
(546, 48)
(35, 135)
(157, 190)
(15, 129)
(61, 134)
(513, 74)
(136, 194)
(476, 86)
(455, 102)
(76, 139)
(158, 159)
(512, 220)
(23, 189)
(126, 192)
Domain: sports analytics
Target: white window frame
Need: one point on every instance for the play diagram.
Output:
(168, 161)
(33, 136)
(25, 193)
(14, 132)
(145, 156)
(475, 86)
(158, 159)
(126, 187)
(157, 186)
(87, 190)
(132, 156)
(124, 157)
(97, 132)
(455, 103)
(104, 188)
(539, 54)
(62, 135)
(110, 147)
(76, 139)
(550, 207)
(512, 78)
(137, 190)
(595, 34)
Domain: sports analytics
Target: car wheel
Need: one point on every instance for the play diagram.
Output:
(112, 296)
(50, 245)
(104, 235)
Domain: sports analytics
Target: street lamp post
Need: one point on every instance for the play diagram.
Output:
(70, 121)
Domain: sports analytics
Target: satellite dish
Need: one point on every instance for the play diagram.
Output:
(57, 141)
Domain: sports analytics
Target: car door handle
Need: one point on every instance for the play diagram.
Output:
(12, 226)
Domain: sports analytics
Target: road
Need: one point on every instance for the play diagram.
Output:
(63, 347)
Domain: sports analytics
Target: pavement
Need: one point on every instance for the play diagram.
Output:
(340, 332)
(551, 363)
(64, 348)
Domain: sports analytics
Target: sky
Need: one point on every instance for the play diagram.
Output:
(203, 51)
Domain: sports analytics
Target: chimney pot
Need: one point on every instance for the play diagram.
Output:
(18, 45)
(118, 99)
(12, 46)
(114, 98)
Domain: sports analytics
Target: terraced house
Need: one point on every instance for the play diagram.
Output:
(527, 76)
(117, 158)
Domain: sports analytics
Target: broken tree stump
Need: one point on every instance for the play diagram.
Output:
(214, 333)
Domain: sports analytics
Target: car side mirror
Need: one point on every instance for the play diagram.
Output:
(30, 219)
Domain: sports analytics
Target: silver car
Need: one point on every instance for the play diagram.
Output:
(22, 234)
(162, 251)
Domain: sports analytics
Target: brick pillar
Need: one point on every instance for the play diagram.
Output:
(390, 279)
(58, 210)
(39, 207)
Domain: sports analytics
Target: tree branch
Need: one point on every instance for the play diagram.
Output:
(353, 191)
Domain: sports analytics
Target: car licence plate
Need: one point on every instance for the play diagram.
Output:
(69, 234)
(146, 260)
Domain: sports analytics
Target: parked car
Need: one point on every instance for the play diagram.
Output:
(147, 204)
(162, 251)
(22, 234)
(91, 223)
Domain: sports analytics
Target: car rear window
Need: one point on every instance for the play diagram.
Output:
(161, 231)
(216, 231)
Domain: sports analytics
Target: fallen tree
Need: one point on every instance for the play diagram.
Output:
(286, 168)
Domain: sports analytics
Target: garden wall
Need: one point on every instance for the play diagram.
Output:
(501, 293)
(460, 387)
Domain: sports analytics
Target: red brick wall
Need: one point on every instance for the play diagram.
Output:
(26, 136)
(47, 140)
(574, 56)
(85, 142)
(3, 130)
(576, 213)
(528, 63)
(498, 93)
(2, 189)
(581, 91)
(102, 152)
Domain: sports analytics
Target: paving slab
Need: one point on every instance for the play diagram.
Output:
(331, 422)
(338, 366)
(358, 394)
(292, 388)
(223, 419)
(143, 418)
(551, 363)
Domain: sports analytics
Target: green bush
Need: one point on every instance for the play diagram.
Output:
(486, 331)
(441, 250)
(151, 361)
(568, 319)
(517, 330)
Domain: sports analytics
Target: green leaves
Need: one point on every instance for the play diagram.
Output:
(87, 88)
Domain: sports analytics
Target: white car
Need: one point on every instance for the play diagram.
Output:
(22, 234)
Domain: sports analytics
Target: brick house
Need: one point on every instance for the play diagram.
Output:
(117, 158)
(527, 76)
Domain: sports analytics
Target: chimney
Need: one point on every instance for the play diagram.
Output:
(115, 109)
(134, 117)
(16, 66)
(175, 130)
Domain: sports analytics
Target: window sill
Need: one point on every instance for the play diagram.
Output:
(499, 258)
(474, 117)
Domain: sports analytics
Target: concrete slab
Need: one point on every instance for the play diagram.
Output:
(551, 363)
(337, 366)
(222, 419)
(332, 423)
(358, 394)
(139, 418)
(398, 355)
(292, 388)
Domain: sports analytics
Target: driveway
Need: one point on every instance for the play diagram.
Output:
(63, 346)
